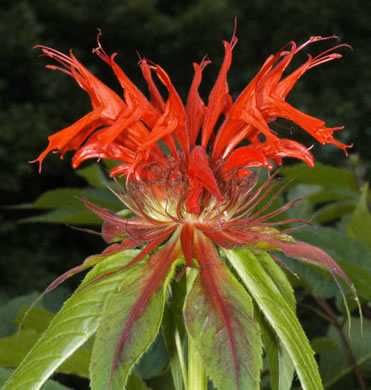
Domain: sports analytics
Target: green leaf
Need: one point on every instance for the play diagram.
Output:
(13, 350)
(323, 175)
(219, 317)
(5, 373)
(278, 313)
(75, 323)
(70, 216)
(360, 277)
(352, 256)
(130, 322)
(280, 363)
(278, 277)
(321, 344)
(9, 311)
(38, 318)
(333, 211)
(332, 195)
(359, 226)
(335, 363)
(66, 206)
(154, 360)
(93, 175)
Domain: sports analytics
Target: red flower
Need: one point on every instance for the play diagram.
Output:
(128, 129)
(194, 196)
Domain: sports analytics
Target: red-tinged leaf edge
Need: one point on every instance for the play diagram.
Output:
(213, 275)
(154, 272)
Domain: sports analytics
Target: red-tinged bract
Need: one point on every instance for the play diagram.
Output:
(196, 190)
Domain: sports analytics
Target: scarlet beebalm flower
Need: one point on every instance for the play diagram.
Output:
(193, 197)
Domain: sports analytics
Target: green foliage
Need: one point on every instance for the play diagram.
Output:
(287, 350)
(36, 102)
(278, 313)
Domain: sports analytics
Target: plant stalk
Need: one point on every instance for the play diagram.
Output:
(197, 379)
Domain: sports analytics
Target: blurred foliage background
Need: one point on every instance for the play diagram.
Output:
(35, 102)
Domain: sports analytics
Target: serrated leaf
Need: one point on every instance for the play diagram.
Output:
(72, 326)
(323, 175)
(359, 226)
(219, 316)
(131, 320)
(278, 277)
(280, 363)
(278, 313)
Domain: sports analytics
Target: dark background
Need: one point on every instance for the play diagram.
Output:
(36, 102)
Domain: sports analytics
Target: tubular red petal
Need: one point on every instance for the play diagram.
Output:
(133, 96)
(195, 108)
(219, 98)
(156, 98)
(247, 156)
(72, 135)
(200, 176)
(286, 148)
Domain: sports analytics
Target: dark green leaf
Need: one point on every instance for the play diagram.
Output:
(154, 360)
(9, 311)
(335, 363)
(333, 211)
(323, 175)
(359, 226)
(135, 383)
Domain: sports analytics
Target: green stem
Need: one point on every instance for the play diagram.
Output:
(197, 379)
(182, 363)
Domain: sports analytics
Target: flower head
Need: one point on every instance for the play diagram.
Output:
(129, 129)
(198, 192)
